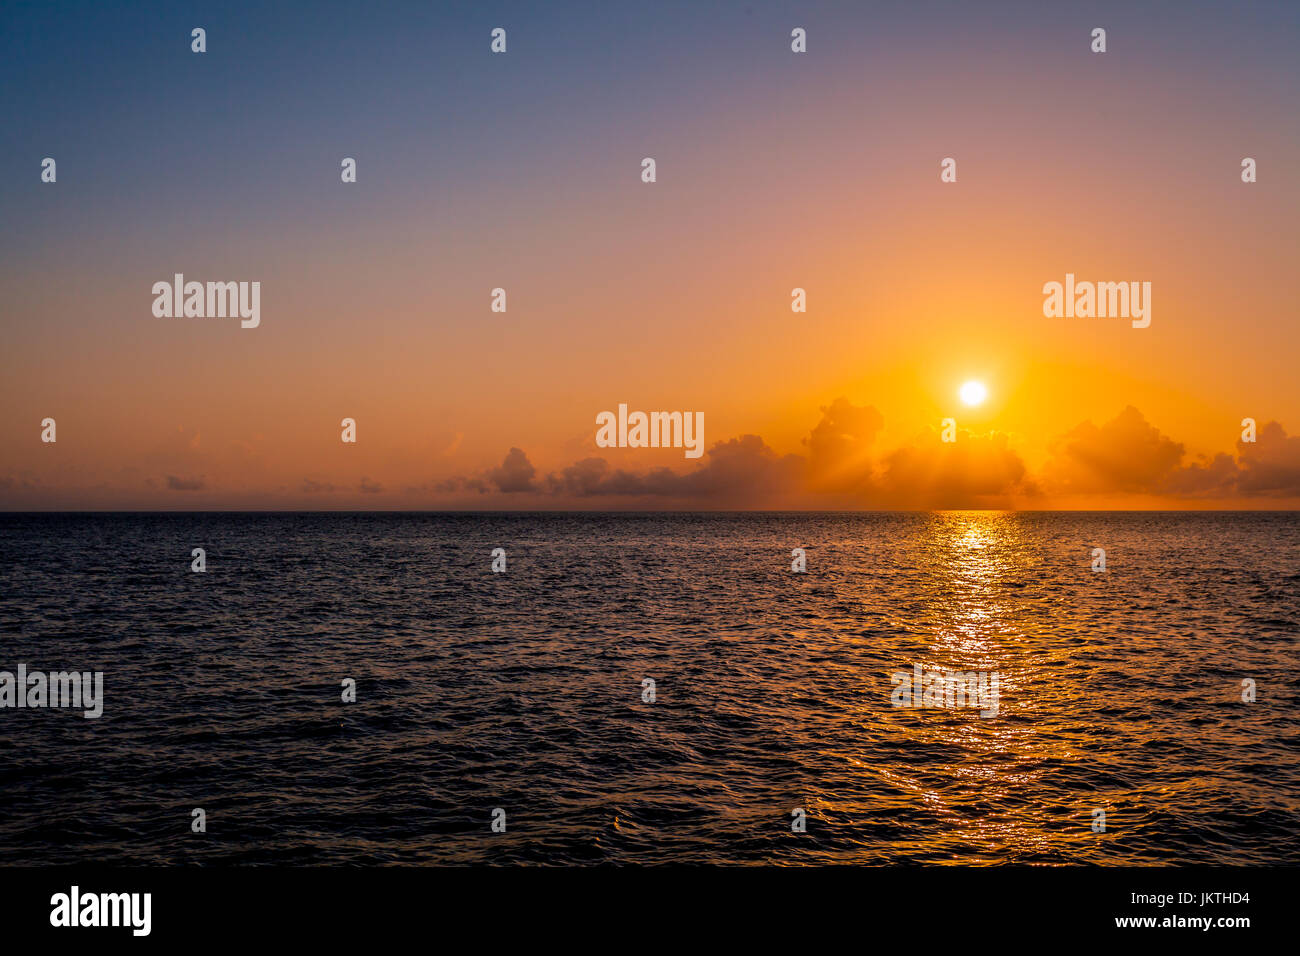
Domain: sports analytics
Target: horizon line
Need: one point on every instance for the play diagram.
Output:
(634, 511)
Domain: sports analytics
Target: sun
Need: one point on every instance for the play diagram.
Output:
(973, 393)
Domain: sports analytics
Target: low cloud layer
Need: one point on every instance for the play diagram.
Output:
(973, 470)
(743, 470)
(1126, 454)
(1270, 466)
(842, 462)
(1129, 455)
(842, 467)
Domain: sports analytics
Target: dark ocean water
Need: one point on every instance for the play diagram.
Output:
(522, 690)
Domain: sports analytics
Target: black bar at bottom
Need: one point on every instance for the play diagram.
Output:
(632, 906)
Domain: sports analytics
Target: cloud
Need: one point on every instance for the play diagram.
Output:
(368, 487)
(311, 487)
(1215, 477)
(840, 447)
(184, 484)
(1124, 455)
(967, 472)
(1129, 455)
(515, 473)
(743, 470)
(1270, 466)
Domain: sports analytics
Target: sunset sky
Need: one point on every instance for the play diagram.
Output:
(775, 170)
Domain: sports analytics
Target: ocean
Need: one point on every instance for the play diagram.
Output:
(520, 698)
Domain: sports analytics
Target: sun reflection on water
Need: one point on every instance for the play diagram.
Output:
(982, 615)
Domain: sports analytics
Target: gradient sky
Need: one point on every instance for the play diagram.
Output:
(775, 170)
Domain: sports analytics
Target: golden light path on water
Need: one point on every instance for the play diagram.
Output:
(983, 616)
